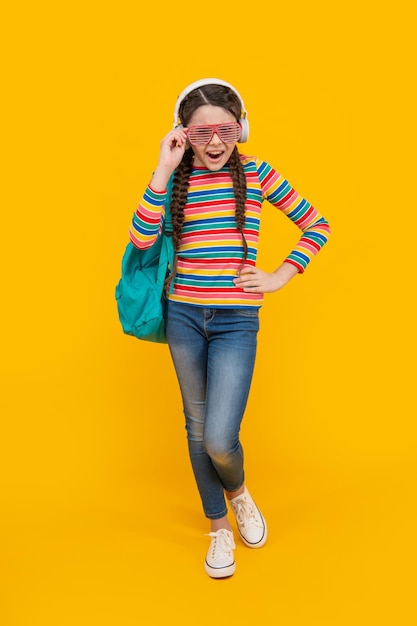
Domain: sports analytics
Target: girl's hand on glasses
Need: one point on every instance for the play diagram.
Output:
(172, 149)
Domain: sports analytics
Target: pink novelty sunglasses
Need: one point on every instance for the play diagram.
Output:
(202, 134)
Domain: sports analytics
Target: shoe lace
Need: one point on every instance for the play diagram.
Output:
(246, 515)
(222, 543)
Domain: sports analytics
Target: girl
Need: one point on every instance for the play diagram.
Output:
(217, 290)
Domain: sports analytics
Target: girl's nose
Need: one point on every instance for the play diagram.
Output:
(215, 139)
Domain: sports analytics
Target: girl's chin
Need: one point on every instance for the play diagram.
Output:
(215, 166)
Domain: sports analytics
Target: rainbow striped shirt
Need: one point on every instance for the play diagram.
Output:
(211, 249)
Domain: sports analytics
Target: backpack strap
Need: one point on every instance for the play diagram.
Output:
(168, 218)
(167, 230)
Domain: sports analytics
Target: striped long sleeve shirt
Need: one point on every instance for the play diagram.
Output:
(211, 250)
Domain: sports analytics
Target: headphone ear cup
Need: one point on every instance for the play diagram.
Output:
(244, 135)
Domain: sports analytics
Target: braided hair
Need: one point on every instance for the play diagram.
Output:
(221, 96)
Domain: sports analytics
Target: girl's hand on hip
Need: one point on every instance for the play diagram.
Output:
(252, 279)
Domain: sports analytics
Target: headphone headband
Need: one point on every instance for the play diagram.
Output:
(213, 81)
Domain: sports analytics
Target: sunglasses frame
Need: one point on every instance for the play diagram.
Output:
(214, 129)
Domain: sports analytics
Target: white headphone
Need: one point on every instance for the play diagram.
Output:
(243, 121)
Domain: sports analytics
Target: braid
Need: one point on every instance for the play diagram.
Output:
(239, 187)
(179, 195)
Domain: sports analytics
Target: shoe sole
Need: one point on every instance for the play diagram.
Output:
(220, 572)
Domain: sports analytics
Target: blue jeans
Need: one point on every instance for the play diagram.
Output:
(213, 351)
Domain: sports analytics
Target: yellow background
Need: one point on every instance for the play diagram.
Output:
(100, 519)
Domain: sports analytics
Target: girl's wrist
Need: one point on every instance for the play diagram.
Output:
(284, 273)
(152, 188)
(160, 179)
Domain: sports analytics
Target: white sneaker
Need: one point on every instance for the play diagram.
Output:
(251, 524)
(220, 560)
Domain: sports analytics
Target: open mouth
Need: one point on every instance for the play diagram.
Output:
(215, 155)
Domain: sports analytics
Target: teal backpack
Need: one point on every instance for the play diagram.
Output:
(141, 290)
